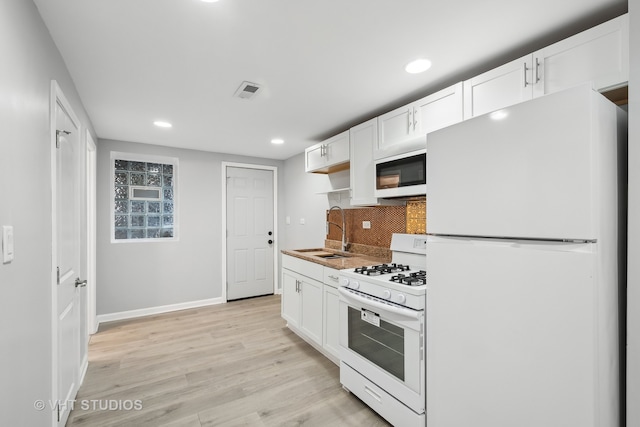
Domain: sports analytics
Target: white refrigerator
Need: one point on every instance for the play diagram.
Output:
(526, 235)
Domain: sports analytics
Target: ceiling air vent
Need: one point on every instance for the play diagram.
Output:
(247, 90)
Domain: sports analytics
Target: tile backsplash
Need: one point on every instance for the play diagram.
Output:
(385, 220)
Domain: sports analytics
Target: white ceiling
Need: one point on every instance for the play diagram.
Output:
(324, 65)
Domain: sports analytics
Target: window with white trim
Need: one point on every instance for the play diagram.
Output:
(144, 202)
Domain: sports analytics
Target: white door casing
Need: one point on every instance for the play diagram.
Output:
(250, 230)
(91, 169)
(65, 177)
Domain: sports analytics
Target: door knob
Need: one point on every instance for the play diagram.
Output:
(80, 283)
(270, 241)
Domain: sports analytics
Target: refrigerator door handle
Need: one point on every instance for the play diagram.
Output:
(510, 238)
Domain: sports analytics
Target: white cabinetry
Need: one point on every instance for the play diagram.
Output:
(310, 303)
(302, 304)
(290, 298)
(328, 156)
(506, 85)
(404, 129)
(331, 303)
(599, 55)
(363, 169)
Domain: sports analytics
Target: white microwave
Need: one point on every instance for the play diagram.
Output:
(402, 175)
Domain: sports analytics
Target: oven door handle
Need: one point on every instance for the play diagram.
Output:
(406, 312)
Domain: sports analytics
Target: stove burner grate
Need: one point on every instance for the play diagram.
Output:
(413, 279)
(377, 270)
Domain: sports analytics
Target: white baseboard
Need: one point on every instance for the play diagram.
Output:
(83, 368)
(157, 310)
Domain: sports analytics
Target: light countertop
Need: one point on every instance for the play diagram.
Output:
(334, 258)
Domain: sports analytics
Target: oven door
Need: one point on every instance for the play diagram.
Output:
(385, 344)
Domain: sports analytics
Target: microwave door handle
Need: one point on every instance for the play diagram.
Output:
(412, 314)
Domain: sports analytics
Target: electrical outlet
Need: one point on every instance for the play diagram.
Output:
(366, 225)
(287, 220)
(302, 221)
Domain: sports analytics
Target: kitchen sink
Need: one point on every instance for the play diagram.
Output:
(332, 256)
(323, 253)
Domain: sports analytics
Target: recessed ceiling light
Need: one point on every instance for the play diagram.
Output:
(277, 141)
(208, 1)
(418, 66)
(162, 124)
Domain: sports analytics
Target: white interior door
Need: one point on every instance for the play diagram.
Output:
(66, 255)
(250, 232)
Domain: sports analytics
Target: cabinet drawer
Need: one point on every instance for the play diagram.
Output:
(331, 276)
(379, 400)
(305, 268)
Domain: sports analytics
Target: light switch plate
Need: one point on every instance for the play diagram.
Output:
(7, 243)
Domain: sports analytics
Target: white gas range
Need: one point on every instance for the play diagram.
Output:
(382, 332)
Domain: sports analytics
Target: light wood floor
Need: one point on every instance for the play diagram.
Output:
(234, 364)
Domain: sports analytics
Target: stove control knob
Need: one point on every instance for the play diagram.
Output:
(401, 298)
(386, 294)
(354, 284)
(344, 282)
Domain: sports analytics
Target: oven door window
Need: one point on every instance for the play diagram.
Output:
(382, 345)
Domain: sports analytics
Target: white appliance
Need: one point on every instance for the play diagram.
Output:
(402, 175)
(524, 242)
(382, 332)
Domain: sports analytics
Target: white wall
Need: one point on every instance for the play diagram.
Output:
(303, 202)
(633, 280)
(133, 276)
(30, 60)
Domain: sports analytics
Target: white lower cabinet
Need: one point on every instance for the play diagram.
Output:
(302, 304)
(290, 298)
(310, 303)
(331, 302)
(311, 308)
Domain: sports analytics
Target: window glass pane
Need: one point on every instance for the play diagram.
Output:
(153, 207)
(139, 218)
(137, 179)
(153, 180)
(122, 178)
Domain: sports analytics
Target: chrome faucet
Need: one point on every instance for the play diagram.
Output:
(345, 245)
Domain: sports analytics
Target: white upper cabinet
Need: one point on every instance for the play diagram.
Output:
(599, 55)
(439, 110)
(404, 129)
(396, 131)
(363, 138)
(498, 88)
(328, 156)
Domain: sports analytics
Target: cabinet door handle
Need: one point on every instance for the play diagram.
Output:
(537, 70)
(415, 119)
(409, 120)
(526, 83)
